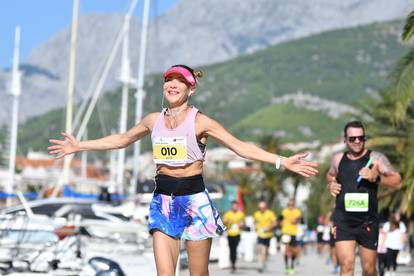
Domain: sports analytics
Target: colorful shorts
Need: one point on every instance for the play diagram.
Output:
(190, 217)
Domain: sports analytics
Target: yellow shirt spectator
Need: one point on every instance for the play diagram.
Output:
(265, 221)
(233, 220)
(290, 220)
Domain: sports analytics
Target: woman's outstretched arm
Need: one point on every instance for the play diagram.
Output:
(293, 163)
(115, 141)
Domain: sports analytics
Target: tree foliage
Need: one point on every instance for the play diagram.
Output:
(393, 126)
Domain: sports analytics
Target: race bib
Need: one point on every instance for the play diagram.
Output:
(170, 150)
(286, 238)
(356, 202)
(235, 227)
(263, 230)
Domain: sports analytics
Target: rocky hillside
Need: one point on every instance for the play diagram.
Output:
(298, 87)
(194, 32)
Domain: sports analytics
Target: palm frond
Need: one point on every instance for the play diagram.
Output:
(379, 141)
(408, 30)
(393, 126)
(407, 204)
(403, 86)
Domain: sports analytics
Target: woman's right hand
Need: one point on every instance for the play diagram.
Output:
(65, 147)
(296, 164)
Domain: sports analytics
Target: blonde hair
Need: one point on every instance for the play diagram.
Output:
(198, 74)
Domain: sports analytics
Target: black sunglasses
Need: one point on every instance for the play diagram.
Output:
(354, 138)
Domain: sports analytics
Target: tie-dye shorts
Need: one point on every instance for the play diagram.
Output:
(190, 217)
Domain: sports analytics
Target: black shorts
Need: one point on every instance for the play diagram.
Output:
(293, 241)
(365, 234)
(300, 243)
(265, 242)
(319, 238)
(331, 240)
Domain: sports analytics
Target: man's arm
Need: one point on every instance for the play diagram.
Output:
(333, 186)
(242, 223)
(296, 219)
(274, 221)
(226, 219)
(389, 177)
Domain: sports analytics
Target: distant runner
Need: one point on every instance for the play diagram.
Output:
(265, 221)
(291, 218)
(234, 221)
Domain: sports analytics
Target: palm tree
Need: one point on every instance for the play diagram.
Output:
(408, 30)
(393, 125)
(270, 181)
(320, 200)
(245, 186)
(389, 138)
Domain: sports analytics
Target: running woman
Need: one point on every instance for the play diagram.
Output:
(181, 207)
(395, 239)
(355, 185)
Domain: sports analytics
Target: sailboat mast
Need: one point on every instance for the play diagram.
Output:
(140, 91)
(71, 85)
(126, 81)
(15, 92)
(97, 91)
(84, 162)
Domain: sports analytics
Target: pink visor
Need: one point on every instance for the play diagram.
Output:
(183, 72)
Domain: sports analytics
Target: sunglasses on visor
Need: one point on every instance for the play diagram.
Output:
(354, 138)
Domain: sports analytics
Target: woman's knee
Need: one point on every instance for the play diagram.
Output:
(165, 272)
(198, 268)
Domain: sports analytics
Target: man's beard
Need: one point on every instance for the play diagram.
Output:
(356, 153)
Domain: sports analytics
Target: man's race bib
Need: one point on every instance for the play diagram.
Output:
(263, 230)
(235, 227)
(286, 238)
(356, 202)
(170, 150)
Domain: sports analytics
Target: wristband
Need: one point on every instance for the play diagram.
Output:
(278, 161)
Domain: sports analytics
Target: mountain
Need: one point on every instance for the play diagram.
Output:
(290, 123)
(201, 32)
(194, 32)
(327, 75)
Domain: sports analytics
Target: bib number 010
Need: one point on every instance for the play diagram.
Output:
(168, 151)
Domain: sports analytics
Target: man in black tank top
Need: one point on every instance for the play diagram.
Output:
(353, 179)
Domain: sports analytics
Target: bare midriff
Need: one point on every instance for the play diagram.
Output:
(191, 169)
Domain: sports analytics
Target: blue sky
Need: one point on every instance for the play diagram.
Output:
(40, 19)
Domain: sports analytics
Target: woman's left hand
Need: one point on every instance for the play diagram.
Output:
(296, 164)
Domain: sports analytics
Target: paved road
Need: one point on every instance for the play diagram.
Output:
(310, 264)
